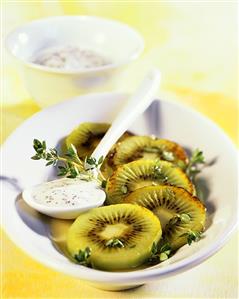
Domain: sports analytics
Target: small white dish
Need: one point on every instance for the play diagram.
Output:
(64, 211)
(164, 119)
(114, 40)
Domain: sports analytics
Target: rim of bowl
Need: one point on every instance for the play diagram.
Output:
(106, 67)
(138, 276)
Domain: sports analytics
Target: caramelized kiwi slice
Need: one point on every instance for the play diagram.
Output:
(86, 137)
(137, 174)
(120, 237)
(178, 211)
(148, 148)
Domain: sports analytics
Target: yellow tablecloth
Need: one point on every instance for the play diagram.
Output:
(194, 45)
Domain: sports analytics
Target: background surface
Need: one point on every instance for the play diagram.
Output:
(195, 47)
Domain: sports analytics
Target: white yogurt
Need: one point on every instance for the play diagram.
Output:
(70, 58)
(67, 193)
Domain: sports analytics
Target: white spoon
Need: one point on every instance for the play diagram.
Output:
(90, 194)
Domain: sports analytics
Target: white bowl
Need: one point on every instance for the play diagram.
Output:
(29, 230)
(114, 40)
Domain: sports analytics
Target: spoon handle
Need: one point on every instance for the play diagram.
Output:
(136, 105)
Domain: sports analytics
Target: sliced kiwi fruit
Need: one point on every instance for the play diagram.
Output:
(137, 174)
(178, 211)
(149, 148)
(120, 237)
(87, 136)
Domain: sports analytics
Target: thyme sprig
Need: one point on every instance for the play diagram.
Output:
(91, 163)
(69, 165)
(196, 158)
(160, 254)
(83, 257)
(192, 236)
(179, 218)
(158, 174)
(114, 242)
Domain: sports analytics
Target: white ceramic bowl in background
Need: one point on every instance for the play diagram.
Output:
(168, 120)
(114, 40)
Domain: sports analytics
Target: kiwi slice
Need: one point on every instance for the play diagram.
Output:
(120, 237)
(178, 211)
(87, 136)
(149, 148)
(141, 173)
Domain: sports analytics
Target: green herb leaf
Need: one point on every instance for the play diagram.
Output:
(72, 151)
(158, 175)
(71, 165)
(196, 158)
(179, 218)
(83, 257)
(165, 247)
(160, 254)
(103, 184)
(124, 189)
(36, 157)
(100, 161)
(163, 256)
(185, 218)
(168, 156)
(92, 163)
(154, 249)
(114, 243)
(192, 236)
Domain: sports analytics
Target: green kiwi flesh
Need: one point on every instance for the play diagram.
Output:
(87, 136)
(137, 174)
(168, 202)
(148, 148)
(136, 227)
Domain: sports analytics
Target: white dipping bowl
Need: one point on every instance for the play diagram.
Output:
(114, 40)
(168, 120)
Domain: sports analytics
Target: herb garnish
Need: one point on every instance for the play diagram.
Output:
(114, 243)
(124, 189)
(192, 166)
(83, 257)
(158, 175)
(168, 156)
(159, 254)
(192, 236)
(91, 163)
(71, 165)
(103, 184)
(179, 218)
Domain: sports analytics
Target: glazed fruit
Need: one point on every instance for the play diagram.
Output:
(178, 211)
(148, 148)
(137, 174)
(120, 236)
(87, 136)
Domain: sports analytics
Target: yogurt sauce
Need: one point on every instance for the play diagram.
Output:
(67, 193)
(70, 58)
